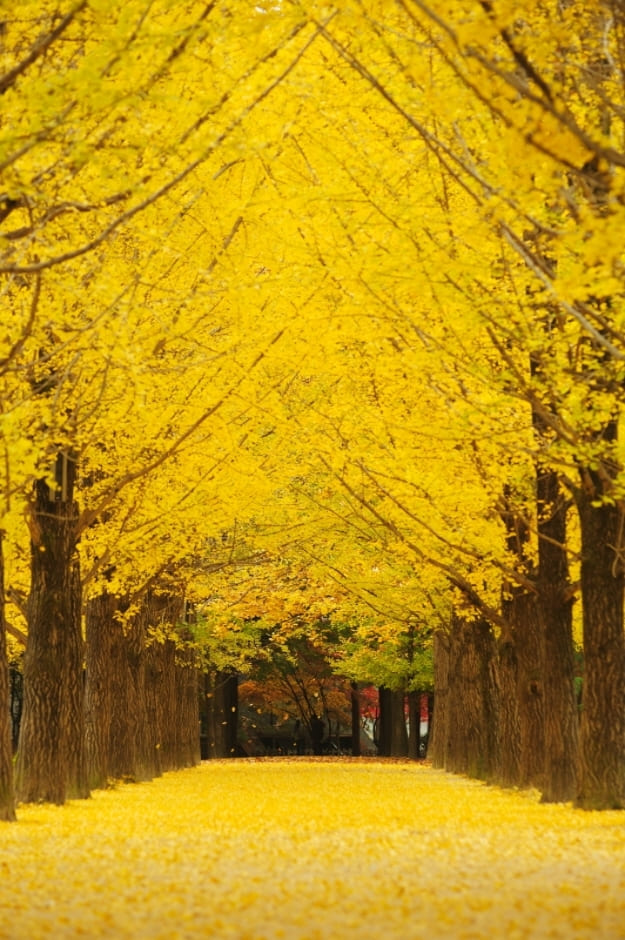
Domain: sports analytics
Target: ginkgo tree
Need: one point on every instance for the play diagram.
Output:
(85, 313)
(475, 228)
(552, 202)
(525, 132)
(347, 275)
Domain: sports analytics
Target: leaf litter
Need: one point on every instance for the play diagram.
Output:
(312, 850)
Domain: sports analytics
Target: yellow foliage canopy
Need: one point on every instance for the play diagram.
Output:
(284, 266)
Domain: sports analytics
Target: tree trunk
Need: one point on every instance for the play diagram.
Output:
(414, 711)
(508, 770)
(425, 745)
(523, 612)
(100, 615)
(439, 730)
(187, 712)
(130, 754)
(223, 715)
(7, 791)
(560, 716)
(53, 663)
(355, 716)
(602, 730)
(160, 673)
(472, 739)
(399, 732)
(77, 781)
(384, 723)
(16, 691)
(561, 723)
(392, 733)
(164, 696)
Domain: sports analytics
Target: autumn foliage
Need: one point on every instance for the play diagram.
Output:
(313, 850)
(313, 313)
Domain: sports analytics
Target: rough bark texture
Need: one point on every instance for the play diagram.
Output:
(525, 617)
(161, 701)
(437, 741)
(7, 791)
(392, 732)
(187, 718)
(53, 663)
(77, 780)
(100, 615)
(471, 746)
(561, 724)
(142, 700)
(130, 754)
(162, 691)
(508, 770)
(522, 612)
(602, 731)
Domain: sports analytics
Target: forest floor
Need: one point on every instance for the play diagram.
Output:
(307, 849)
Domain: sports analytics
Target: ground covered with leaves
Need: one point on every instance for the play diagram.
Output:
(262, 850)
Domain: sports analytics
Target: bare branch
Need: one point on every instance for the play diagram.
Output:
(171, 184)
(39, 48)
(18, 345)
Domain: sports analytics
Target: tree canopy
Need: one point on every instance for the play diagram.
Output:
(318, 295)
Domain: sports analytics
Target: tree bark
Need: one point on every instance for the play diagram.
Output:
(384, 723)
(100, 615)
(439, 730)
(187, 713)
(46, 771)
(508, 769)
(223, 715)
(399, 732)
(472, 740)
(561, 722)
(602, 730)
(77, 780)
(7, 789)
(523, 612)
(130, 755)
(561, 737)
(355, 714)
(414, 737)
(392, 733)
(160, 672)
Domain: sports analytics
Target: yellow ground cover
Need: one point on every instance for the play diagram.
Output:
(262, 850)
